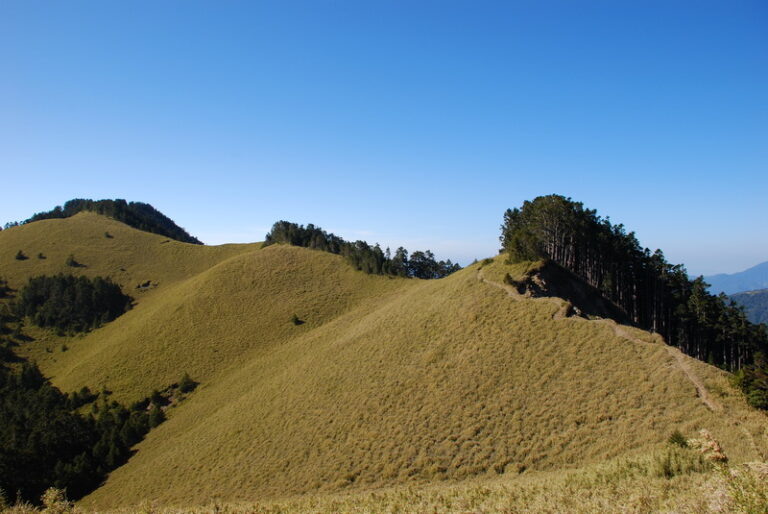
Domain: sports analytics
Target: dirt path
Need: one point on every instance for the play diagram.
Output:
(563, 307)
(679, 359)
(701, 390)
(621, 332)
(511, 291)
(695, 380)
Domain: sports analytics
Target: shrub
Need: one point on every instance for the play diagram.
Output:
(748, 488)
(674, 462)
(186, 384)
(20, 256)
(55, 502)
(678, 439)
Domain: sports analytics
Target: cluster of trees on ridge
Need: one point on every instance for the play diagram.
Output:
(654, 294)
(366, 258)
(71, 303)
(138, 215)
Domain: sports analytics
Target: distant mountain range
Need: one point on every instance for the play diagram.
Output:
(755, 303)
(752, 279)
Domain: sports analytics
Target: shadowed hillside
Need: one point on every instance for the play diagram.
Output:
(387, 381)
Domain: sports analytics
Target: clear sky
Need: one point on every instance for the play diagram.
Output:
(412, 123)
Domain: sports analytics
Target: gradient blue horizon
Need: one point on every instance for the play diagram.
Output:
(403, 123)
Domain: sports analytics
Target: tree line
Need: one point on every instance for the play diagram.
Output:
(71, 303)
(141, 216)
(362, 256)
(653, 293)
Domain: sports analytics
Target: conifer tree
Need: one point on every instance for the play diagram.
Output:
(156, 416)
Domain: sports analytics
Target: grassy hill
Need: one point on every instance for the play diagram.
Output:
(388, 382)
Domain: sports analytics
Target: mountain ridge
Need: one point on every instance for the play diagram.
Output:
(755, 304)
(138, 215)
(388, 382)
(750, 279)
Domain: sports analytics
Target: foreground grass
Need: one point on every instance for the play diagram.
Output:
(670, 479)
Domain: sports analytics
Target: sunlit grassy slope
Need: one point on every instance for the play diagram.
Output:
(389, 381)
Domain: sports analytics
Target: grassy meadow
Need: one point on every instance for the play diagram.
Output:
(393, 395)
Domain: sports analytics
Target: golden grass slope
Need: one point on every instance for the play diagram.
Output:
(129, 257)
(389, 381)
(211, 305)
(447, 380)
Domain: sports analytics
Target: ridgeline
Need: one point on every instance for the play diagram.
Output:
(339, 371)
(652, 293)
(138, 215)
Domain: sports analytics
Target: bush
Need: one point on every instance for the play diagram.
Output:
(678, 439)
(747, 487)
(186, 384)
(675, 462)
(55, 502)
(20, 256)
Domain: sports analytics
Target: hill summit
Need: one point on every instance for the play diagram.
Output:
(135, 214)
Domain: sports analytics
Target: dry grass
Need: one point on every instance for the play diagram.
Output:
(669, 479)
(390, 383)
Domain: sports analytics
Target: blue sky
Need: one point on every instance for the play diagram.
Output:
(407, 123)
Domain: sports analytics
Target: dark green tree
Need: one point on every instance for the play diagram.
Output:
(156, 416)
(186, 384)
